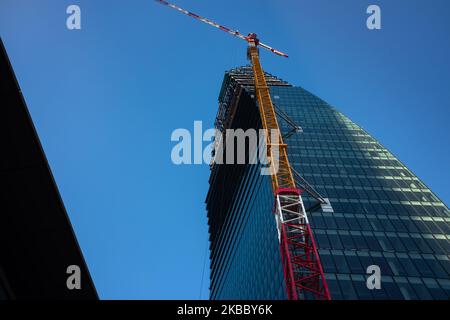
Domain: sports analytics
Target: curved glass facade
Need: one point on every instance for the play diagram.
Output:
(383, 214)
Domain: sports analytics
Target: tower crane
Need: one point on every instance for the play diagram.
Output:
(303, 272)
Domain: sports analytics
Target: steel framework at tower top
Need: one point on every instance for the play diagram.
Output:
(303, 271)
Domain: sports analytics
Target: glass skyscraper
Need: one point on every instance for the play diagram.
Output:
(382, 215)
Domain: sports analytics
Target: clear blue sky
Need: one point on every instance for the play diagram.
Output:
(105, 100)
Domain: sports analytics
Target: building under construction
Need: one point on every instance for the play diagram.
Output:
(332, 208)
(380, 214)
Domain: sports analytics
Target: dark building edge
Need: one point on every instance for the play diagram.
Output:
(37, 241)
